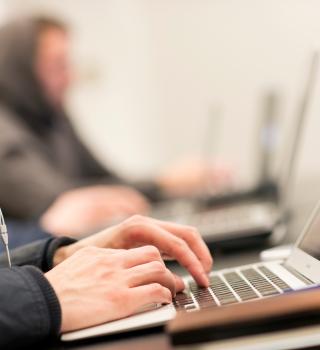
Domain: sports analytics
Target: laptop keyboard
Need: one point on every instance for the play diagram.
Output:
(263, 286)
(240, 286)
(232, 287)
(274, 279)
(221, 291)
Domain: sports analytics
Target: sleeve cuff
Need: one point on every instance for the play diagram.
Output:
(51, 249)
(52, 302)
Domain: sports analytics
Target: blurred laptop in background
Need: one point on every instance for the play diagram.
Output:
(250, 216)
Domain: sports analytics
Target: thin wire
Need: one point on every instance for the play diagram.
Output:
(4, 236)
(8, 255)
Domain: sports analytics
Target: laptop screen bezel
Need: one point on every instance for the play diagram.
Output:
(301, 261)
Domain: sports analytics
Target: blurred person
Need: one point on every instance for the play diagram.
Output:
(59, 285)
(40, 155)
(46, 171)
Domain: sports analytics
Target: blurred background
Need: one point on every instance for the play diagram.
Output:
(150, 74)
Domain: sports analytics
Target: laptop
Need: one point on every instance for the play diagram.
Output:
(267, 139)
(229, 286)
(251, 216)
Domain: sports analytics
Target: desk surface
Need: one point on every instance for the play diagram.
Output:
(156, 338)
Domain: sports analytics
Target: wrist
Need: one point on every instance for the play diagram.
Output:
(58, 251)
(59, 256)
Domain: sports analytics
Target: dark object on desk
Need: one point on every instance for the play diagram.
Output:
(285, 312)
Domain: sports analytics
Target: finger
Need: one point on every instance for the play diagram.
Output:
(142, 255)
(193, 239)
(153, 272)
(180, 286)
(172, 246)
(149, 294)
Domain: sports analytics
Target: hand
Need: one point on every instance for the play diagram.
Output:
(194, 176)
(180, 242)
(86, 210)
(99, 285)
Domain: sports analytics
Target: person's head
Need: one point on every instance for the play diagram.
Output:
(34, 69)
(51, 58)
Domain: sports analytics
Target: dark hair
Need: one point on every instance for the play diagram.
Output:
(43, 23)
(20, 90)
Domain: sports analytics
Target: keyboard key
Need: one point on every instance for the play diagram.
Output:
(182, 300)
(274, 279)
(202, 295)
(260, 283)
(222, 291)
(204, 298)
(240, 286)
(190, 307)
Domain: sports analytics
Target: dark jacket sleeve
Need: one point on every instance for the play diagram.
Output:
(29, 308)
(22, 233)
(39, 254)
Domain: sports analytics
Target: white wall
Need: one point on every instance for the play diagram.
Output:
(153, 69)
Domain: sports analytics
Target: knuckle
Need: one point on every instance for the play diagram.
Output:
(156, 288)
(134, 227)
(159, 291)
(152, 252)
(136, 219)
(134, 233)
(193, 232)
(158, 267)
(180, 244)
(166, 292)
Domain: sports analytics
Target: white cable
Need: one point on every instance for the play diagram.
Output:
(4, 236)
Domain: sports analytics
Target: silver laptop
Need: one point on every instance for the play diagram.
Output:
(259, 216)
(233, 285)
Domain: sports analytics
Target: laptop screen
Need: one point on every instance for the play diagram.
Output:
(310, 243)
(305, 256)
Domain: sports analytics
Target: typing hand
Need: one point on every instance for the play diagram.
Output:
(179, 242)
(97, 285)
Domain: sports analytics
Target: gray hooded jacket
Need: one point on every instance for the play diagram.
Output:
(40, 154)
